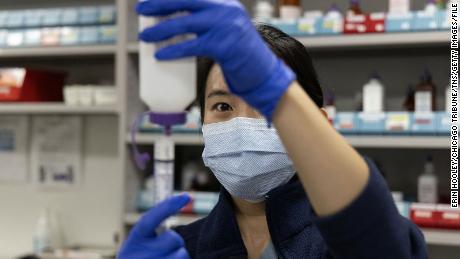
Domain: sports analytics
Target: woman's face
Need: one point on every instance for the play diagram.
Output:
(220, 104)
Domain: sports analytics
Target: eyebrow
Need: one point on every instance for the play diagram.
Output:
(215, 93)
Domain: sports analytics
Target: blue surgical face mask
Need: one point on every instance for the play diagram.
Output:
(246, 157)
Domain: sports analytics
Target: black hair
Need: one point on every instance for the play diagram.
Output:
(290, 50)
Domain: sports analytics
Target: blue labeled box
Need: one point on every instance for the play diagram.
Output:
(107, 14)
(15, 38)
(3, 37)
(32, 37)
(107, 34)
(3, 19)
(309, 26)
(51, 17)
(15, 19)
(398, 123)
(69, 16)
(371, 123)
(443, 20)
(69, 36)
(424, 123)
(425, 21)
(443, 123)
(89, 35)
(346, 122)
(396, 22)
(287, 26)
(33, 18)
(331, 26)
(88, 15)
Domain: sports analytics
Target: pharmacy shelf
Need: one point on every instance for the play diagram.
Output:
(442, 237)
(432, 236)
(54, 108)
(435, 142)
(408, 39)
(371, 40)
(184, 219)
(51, 51)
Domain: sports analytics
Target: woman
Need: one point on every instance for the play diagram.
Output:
(293, 190)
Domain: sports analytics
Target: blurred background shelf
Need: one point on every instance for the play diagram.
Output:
(90, 50)
(375, 40)
(434, 142)
(54, 108)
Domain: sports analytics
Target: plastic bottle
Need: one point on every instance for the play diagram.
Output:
(431, 7)
(166, 86)
(355, 8)
(399, 6)
(334, 19)
(428, 183)
(373, 95)
(425, 94)
(42, 237)
(263, 10)
(290, 9)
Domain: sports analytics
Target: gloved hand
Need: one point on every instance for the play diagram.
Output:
(144, 243)
(224, 33)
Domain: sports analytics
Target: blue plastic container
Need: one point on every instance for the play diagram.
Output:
(89, 35)
(88, 15)
(51, 17)
(346, 122)
(289, 27)
(33, 18)
(424, 21)
(107, 14)
(107, 34)
(443, 123)
(399, 22)
(15, 19)
(371, 123)
(70, 16)
(309, 26)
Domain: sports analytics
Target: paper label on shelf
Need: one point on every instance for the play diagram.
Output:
(56, 151)
(398, 122)
(13, 148)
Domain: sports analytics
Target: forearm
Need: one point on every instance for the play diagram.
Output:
(331, 171)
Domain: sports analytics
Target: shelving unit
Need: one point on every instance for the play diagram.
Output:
(434, 142)
(55, 108)
(53, 51)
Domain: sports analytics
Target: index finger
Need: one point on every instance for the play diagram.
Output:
(152, 219)
(166, 7)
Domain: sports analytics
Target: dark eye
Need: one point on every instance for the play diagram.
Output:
(222, 107)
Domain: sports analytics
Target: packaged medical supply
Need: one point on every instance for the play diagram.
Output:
(428, 183)
(51, 17)
(398, 123)
(51, 36)
(424, 123)
(32, 37)
(71, 97)
(443, 123)
(3, 37)
(287, 26)
(3, 19)
(33, 18)
(15, 19)
(424, 215)
(107, 34)
(69, 17)
(15, 38)
(332, 22)
(69, 36)
(427, 19)
(346, 122)
(88, 15)
(373, 95)
(371, 123)
(290, 9)
(86, 95)
(105, 95)
(310, 23)
(399, 22)
(88, 35)
(107, 14)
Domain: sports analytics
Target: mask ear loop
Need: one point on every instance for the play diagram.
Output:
(141, 159)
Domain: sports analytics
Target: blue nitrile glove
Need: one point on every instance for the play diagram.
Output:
(225, 34)
(144, 243)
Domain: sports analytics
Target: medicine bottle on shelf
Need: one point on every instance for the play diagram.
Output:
(425, 94)
(290, 9)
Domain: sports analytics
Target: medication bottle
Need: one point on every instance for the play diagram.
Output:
(425, 94)
(290, 9)
(263, 10)
(373, 95)
(399, 6)
(428, 183)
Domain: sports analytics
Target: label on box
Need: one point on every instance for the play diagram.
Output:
(397, 122)
(15, 38)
